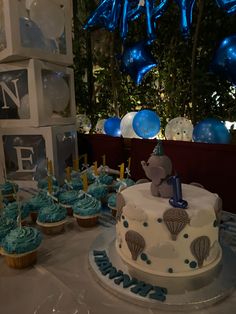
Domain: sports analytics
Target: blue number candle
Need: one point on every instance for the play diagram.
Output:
(176, 200)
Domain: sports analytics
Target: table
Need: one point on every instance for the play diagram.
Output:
(61, 282)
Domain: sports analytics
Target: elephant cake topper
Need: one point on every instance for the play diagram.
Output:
(158, 169)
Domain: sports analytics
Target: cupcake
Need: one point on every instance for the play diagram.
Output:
(86, 210)
(111, 202)
(6, 225)
(75, 184)
(52, 218)
(36, 203)
(98, 190)
(11, 211)
(91, 177)
(66, 199)
(9, 190)
(20, 247)
(124, 183)
(105, 178)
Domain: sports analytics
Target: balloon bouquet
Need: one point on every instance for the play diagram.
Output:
(43, 26)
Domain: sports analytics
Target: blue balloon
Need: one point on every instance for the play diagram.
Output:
(112, 126)
(186, 11)
(211, 131)
(112, 14)
(31, 35)
(228, 5)
(224, 60)
(137, 61)
(146, 123)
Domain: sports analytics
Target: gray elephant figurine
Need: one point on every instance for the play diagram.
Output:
(158, 169)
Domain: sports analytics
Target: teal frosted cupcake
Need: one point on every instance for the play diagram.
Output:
(9, 190)
(6, 225)
(98, 190)
(86, 210)
(52, 219)
(90, 175)
(20, 247)
(75, 184)
(11, 211)
(105, 178)
(36, 203)
(111, 202)
(122, 184)
(66, 199)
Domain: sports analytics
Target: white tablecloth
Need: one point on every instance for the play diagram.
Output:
(61, 282)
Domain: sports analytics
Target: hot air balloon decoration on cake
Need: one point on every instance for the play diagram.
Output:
(200, 248)
(175, 220)
(135, 242)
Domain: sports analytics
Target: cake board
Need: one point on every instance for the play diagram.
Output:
(218, 289)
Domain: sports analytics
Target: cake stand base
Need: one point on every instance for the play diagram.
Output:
(218, 289)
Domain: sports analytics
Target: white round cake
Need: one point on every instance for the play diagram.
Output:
(160, 243)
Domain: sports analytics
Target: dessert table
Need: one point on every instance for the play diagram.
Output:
(62, 283)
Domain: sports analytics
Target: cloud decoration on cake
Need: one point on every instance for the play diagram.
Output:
(137, 60)
(133, 212)
(163, 250)
(201, 218)
(214, 251)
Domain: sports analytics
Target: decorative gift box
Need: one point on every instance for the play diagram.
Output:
(24, 152)
(38, 29)
(36, 93)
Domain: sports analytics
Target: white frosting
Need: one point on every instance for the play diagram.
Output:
(143, 213)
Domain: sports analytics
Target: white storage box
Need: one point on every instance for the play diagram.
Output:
(40, 29)
(24, 151)
(36, 93)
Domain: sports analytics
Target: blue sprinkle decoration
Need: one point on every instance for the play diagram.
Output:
(186, 261)
(185, 235)
(148, 262)
(193, 264)
(125, 223)
(145, 224)
(159, 220)
(143, 257)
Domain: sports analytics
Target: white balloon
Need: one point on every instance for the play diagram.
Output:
(57, 91)
(126, 125)
(49, 16)
(179, 129)
(83, 123)
(24, 109)
(100, 126)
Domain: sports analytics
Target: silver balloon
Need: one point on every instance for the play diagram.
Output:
(99, 129)
(126, 125)
(56, 90)
(179, 129)
(83, 123)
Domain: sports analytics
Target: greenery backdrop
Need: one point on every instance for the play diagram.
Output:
(181, 85)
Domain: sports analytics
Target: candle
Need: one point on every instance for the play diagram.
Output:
(19, 211)
(68, 176)
(104, 160)
(95, 168)
(176, 200)
(50, 167)
(76, 164)
(85, 182)
(129, 162)
(49, 185)
(122, 171)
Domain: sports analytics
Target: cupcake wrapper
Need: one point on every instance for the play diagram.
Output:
(19, 261)
(87, 221)
(53, 227)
